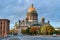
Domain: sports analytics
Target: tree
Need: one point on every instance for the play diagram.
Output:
(57, 32)
(39, 30)
(28, 31)
(23, 31)
(34, 30)
(11, 31)
(47, 29)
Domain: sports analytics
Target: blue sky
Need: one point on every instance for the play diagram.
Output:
(15, 10)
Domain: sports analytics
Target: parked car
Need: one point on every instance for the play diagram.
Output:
(15, 34)
(54, 35)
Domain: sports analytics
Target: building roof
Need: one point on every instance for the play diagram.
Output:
(4, 20)
(31, 8)
(32, 11)
(36, 25)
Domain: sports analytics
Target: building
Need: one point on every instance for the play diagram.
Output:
(31, 20)
(4, 27)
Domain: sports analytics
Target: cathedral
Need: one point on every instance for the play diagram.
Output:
(31, 20)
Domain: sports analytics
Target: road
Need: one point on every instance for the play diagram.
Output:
(32, 38)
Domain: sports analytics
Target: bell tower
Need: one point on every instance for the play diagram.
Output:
(42, 20)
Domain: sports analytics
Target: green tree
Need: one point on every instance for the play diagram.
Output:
(57, 32)
(23, 31)
(28, 31)
(47, 29)
(39, 31)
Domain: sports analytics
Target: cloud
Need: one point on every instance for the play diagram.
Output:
(17, 9)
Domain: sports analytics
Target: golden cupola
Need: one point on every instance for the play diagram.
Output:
(31, 9)
(32, 14)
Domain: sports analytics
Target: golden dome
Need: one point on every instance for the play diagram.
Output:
(31, 9)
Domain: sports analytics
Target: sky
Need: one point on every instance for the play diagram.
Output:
(15, 10)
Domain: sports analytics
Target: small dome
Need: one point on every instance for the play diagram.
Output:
(42, 18)
(31, 9)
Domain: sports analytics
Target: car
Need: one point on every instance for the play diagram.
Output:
(54, 35)
(15, 34)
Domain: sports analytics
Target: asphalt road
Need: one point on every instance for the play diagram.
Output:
(32, 38)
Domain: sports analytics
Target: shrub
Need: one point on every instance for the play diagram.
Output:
(57, 31)
(34, 30)
(23, 31)
(28, 31)
(47, 29)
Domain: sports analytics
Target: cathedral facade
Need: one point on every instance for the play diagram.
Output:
(31, 20)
